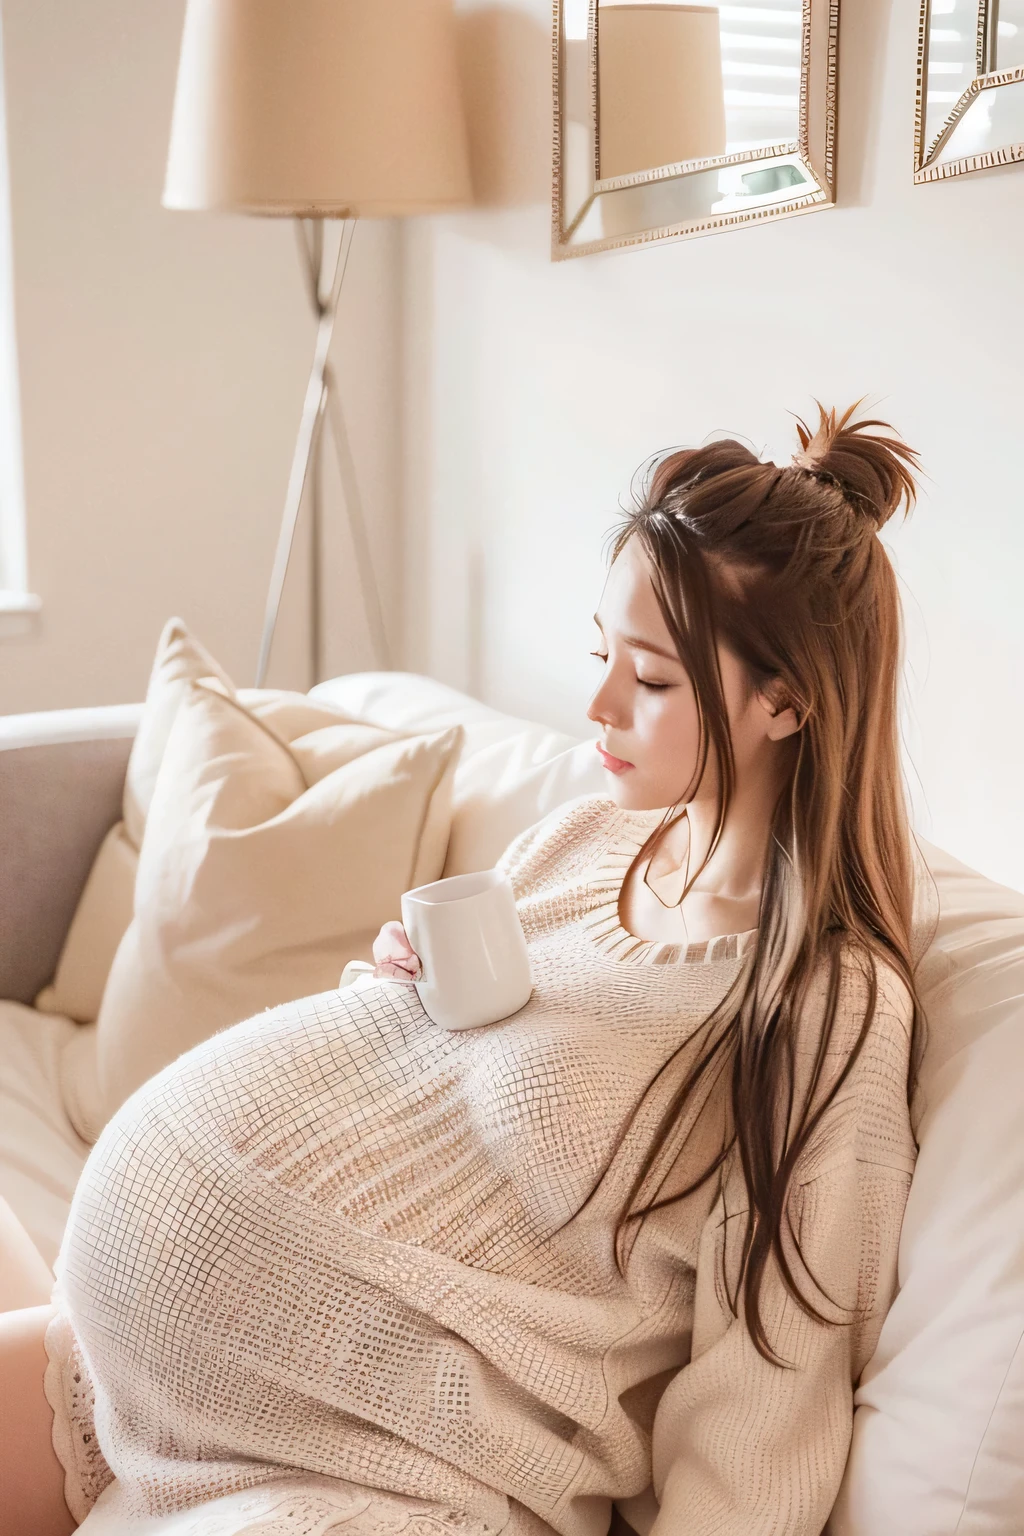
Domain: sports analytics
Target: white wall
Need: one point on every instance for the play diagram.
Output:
(163, 359)
(533, 390)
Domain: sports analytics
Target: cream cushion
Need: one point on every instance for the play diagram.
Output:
(180, 661)
(41, 1154)
(938, 1441)
(105, 907)
(276, 835)
(264, 868)
(103, 913)
(510, 773)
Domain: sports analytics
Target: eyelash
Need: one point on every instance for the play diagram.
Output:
(654, 687)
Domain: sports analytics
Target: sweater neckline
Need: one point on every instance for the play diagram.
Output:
(602, 924)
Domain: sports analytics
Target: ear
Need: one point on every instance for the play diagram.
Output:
(783, 724)
(783, 720)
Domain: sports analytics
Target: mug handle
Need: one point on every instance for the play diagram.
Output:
(355, 969)
(352, 972)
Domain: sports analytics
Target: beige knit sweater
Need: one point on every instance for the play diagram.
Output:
(312, 1280)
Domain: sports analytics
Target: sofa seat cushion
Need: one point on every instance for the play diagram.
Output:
(41, 1156)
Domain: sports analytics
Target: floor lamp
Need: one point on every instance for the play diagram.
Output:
(315, 110)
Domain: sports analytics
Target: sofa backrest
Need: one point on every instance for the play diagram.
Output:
(938, 1440)
(511, 772)
(61, 773)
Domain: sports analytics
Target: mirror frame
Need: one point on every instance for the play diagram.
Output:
(1004, 154)
(815, 144)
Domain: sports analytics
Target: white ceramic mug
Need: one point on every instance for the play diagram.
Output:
(472, 948)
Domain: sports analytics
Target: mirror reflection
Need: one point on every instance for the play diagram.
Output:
(712, 80)
(970, 96)
(684, 118)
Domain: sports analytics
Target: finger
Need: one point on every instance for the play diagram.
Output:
(408, 963)
(396, 932)
(388, 970)
(392, 940)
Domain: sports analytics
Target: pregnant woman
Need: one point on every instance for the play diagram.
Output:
(621, 1257)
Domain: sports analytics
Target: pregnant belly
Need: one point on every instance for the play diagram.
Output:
(227, 1244)
(280, 1253)
(230, 1332)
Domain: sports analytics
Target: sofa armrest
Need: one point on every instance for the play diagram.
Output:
(61, 779)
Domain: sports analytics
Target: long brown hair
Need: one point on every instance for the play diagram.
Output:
(783, 566)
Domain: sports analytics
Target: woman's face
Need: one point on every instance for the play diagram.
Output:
(645, 702)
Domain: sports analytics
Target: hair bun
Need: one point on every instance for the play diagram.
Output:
(874, 474)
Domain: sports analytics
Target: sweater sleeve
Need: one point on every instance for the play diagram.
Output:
(743, 1447)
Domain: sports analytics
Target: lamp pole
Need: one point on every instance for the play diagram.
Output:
(321, 402)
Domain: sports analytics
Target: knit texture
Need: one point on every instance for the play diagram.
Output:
(328, 1270)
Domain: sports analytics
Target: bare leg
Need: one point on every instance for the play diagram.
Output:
(30, 1474)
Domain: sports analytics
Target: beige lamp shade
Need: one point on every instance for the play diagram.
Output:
(660, 95)
(318, 107)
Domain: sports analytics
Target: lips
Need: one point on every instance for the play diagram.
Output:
(613, 764)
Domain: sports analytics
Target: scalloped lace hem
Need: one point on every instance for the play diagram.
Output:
(69, 1393)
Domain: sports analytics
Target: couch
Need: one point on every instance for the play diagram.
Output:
(939, 1426)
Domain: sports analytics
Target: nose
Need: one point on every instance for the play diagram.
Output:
(602, 709)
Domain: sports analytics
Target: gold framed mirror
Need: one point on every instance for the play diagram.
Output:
(676, 120)
(970, 87)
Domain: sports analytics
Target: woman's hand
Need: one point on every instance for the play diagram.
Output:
(395, 957)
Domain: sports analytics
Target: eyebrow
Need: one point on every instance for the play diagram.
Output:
(638, 643)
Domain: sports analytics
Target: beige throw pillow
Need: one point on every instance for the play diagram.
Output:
(180, 661)
(265, 865)
(105, 907)
(103, 913)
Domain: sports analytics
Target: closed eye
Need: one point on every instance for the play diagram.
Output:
(654, 687)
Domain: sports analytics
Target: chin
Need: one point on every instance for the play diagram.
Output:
(629, 792)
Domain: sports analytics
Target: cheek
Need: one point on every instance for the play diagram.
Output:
(665, 729)
(669, 726)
